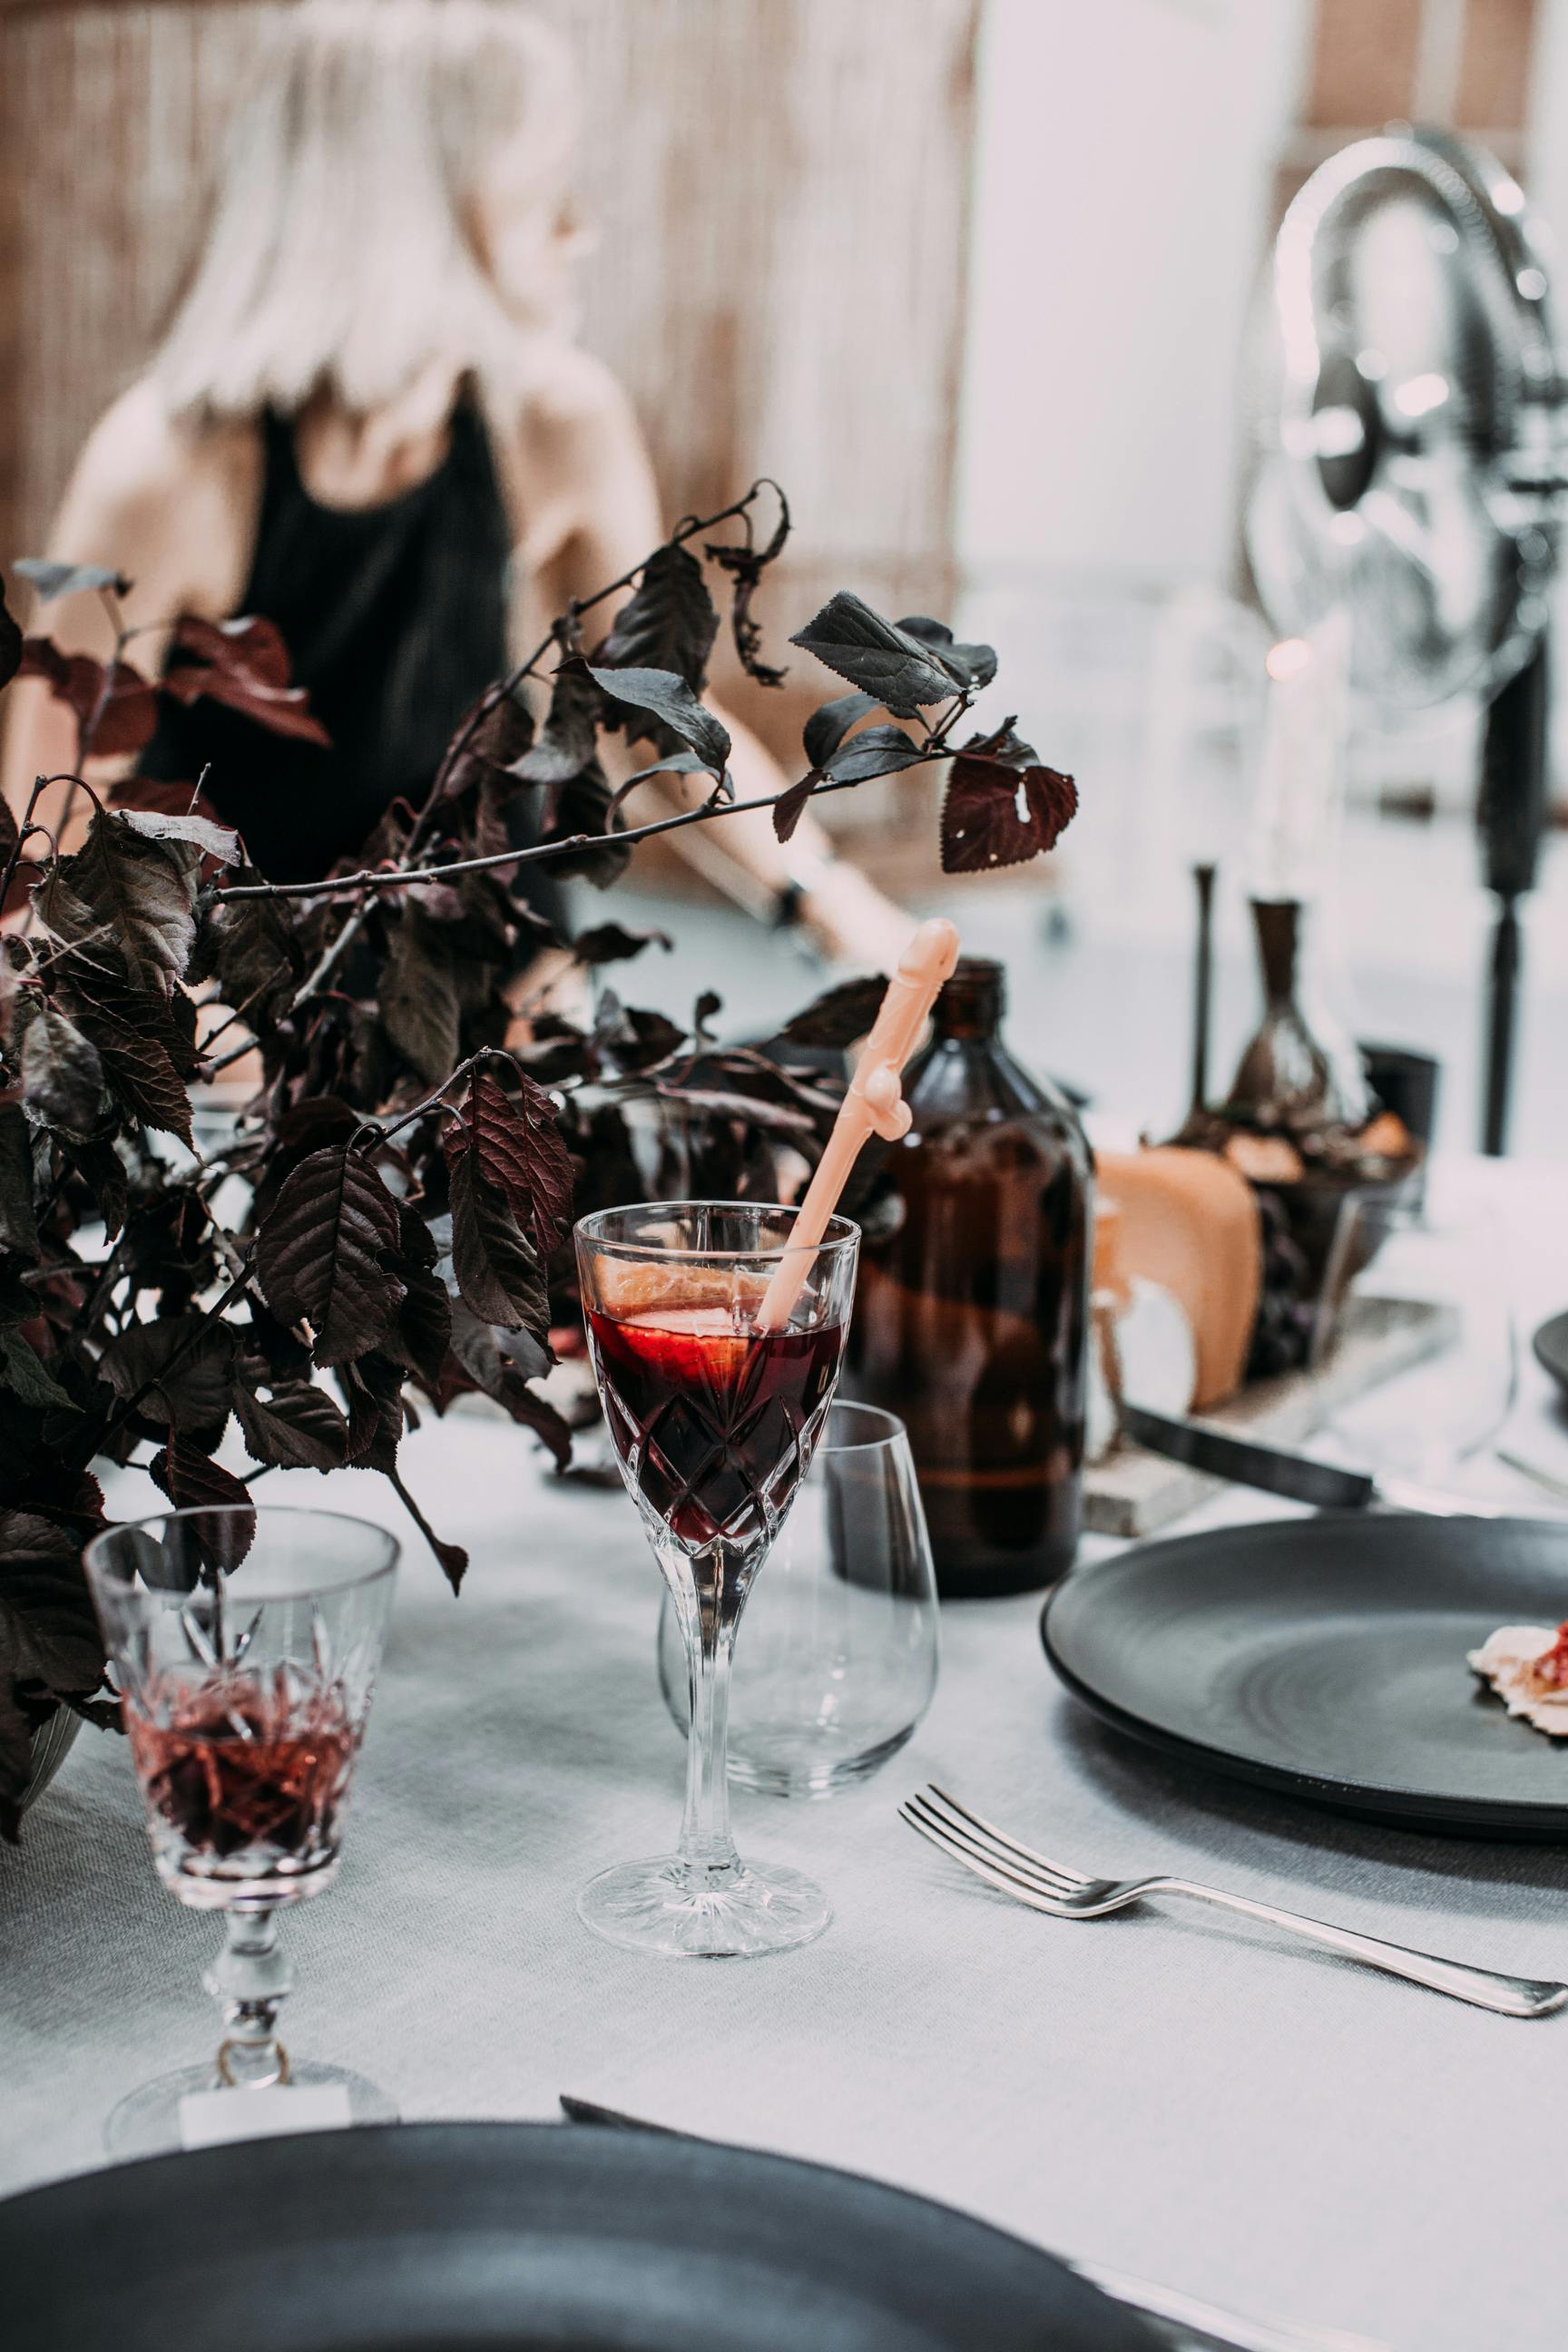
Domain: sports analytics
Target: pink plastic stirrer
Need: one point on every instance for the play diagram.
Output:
(874, 1105)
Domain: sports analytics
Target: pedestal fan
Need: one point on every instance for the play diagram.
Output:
(1406, 468)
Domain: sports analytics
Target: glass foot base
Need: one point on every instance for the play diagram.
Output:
(677, 1911)
(148, 2122)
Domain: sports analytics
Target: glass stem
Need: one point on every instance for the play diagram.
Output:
(709, 1609)
(250, 1977)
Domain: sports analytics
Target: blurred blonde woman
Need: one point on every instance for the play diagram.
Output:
(370, 422)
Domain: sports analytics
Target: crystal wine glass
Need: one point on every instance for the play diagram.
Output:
(713, 1423)
(245, 1644)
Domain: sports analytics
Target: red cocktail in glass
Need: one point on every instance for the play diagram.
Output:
(713, 1420)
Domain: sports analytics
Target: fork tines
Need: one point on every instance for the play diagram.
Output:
(985, 1850)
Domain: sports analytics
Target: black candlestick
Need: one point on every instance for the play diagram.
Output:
(1512, 816)
(1203, 983)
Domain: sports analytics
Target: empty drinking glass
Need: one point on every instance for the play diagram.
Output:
(839, 1661)
(245, 1644)
(1414, 1347)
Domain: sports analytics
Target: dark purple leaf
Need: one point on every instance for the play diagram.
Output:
(996, 815)
(827, 727)
(18, 1224)
(140, 1073)
(190, 1358)
(496, 1268)
(117, 710)
(634, 1039)
(520, 1153)
(373, 1388)
(904, 675)
(243, 665)
(251, 949)
(668, 623)
(570, 736)
(790, 806)
(49, 1642)
(491, 758)
(583, 807)
(320, 1254)
(10, 641)
(418, 996)
(875, 751)
(975, 665)
(671, 701)
(613, 944)
(296, 1427)
(225, 1526)
(835, 1020)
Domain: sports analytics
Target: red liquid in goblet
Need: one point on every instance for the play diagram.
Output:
(715, 1423)
(244, 1779)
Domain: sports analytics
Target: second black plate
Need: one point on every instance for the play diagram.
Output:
(1551, 1349)
(449, 2237)
(1326, 1656)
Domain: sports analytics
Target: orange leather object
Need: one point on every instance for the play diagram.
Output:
(1188, 1221)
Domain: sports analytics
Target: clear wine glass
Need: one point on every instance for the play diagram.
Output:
(245, 1644)
(842, 1638)
(713, 1423)
(1421, 1303)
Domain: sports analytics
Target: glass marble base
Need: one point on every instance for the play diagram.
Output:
(679, 1910)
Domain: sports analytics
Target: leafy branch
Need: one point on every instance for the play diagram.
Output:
(382, 1228)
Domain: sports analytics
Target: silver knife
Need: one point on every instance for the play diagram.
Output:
(1184, 2324)
(1246, 1462)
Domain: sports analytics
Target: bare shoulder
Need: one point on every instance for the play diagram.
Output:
(139, 455)
(158, 497)
(571, 402)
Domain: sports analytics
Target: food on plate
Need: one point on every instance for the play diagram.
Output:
(1527, 1666)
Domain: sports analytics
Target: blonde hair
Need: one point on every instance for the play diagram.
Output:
(345, 252)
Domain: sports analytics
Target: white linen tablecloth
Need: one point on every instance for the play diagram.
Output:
(1170, 2093)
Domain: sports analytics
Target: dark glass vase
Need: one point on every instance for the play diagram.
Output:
(1288, 1077)
(972, 1305)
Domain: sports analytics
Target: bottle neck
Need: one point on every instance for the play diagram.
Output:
(971, 1005)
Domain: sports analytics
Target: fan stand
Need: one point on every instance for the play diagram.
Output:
(1512, 816)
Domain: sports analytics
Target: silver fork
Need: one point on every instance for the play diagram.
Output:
(1063, 1894)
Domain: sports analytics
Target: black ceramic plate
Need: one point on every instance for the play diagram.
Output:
(1326, 1656)
(447, 2237)
(1551, 1349)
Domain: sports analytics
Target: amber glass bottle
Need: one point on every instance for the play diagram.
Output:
(972, 1307)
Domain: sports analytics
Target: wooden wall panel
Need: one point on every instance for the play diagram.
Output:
(779, 187)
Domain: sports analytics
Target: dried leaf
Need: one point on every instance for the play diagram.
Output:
(139, 891)
(320, 1254)
(199, 832)
(903, 673)
(995, 815)
(62, 1076)
(243, 664)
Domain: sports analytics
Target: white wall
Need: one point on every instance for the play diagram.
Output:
(1126, 150)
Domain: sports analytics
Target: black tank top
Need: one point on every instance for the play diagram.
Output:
(394, 619)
